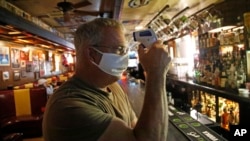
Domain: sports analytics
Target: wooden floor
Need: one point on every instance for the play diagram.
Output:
(34, 139)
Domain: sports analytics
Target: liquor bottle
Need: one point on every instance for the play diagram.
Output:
(225, 118)
(231, 117)
(241, 35)
(221, 38)
(223, 79)
(217, 80)
(237, 36)
(201, 41)
(216, 40)
(204, 41)
(211, 40)
(208, 40)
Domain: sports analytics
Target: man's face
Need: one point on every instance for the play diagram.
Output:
(113, 42)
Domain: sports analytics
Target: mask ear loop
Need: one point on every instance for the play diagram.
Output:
(92, 55)
(97, 50)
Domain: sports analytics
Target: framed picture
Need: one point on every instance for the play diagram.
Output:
(41, 73)
(15, 58)
(16, 75)
(24, 55)
(4, 56)
(23, 73)
(28, 67)
(23, 63)
(36, 75)
(6, 75)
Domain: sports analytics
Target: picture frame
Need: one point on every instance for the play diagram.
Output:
(4, 56)
(36, 75)
(23, 63)
(16, 75)
(6, 75)
(29, 67)
(15, 58)
(24, 55)
(41, 73)
(23, 73)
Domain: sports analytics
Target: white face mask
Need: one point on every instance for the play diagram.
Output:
(112, 64)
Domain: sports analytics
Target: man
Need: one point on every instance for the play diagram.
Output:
(54, 82)
(91, 105)
(44, 83)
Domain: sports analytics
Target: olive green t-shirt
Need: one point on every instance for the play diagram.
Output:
(78, 112)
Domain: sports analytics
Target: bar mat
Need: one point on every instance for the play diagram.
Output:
(191, 134)
(194, 130)
(186, 129)
(206, 131)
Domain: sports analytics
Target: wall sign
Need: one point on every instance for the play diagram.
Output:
(138, 3)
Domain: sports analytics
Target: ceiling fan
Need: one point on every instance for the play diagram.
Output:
(66, 7)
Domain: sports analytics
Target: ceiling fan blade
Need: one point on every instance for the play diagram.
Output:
(82, 4)
(91, 13)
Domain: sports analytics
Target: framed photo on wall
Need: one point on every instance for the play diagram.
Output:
(15, 58)
(6, 75)
(16, 75)
(36, 75)
(28, 67)
(23, 63)
(23, 73)
(4, 56)
(24, 55)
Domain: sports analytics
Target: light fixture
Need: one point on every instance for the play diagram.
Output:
(224, 28)
(14, 32)
(138, 27)
(26, 48)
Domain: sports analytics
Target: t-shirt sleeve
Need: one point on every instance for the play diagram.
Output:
(77, 121)
(131, 110)
(123, 99)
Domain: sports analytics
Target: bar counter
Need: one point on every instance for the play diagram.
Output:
(232, 95)
(229, 94)
(182, 127)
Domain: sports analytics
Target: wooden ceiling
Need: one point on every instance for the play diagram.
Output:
(132, 13)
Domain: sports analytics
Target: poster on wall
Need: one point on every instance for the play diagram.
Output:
(4, 56)
(35, 61)
(38, 58)
(15, 58)
(24, 57)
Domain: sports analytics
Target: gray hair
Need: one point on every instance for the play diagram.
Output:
(92, 32)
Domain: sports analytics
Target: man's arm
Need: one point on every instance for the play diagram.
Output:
(153, 121)
(152, 124)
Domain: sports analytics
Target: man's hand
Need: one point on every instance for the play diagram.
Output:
(154, 59)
